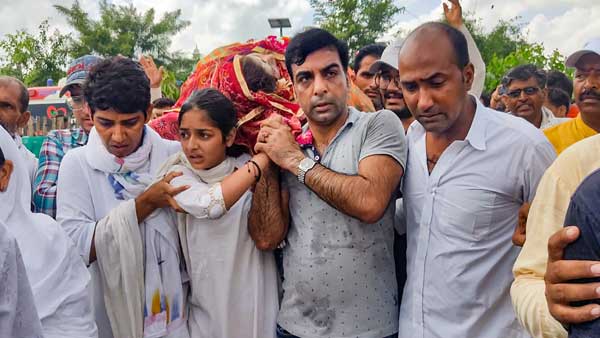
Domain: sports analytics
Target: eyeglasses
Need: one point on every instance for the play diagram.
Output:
(383, 80)
(529, 91)
(75, 102)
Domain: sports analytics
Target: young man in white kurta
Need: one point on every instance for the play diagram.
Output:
(108, 177)
(84, 197)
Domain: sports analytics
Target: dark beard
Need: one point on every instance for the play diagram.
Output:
(403, 113)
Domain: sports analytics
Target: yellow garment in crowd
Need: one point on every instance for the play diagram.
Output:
(567, 133)
(546, 216)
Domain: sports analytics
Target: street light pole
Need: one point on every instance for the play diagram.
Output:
(280, 23)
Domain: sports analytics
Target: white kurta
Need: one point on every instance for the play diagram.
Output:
(18, 315)
(84, 197)
(31, 161)
(59, 280)
(233, 284)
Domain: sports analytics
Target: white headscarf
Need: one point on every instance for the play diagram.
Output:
(58, 276)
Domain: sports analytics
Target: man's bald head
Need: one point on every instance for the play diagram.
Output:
(8, 81)
(429, 34)
(436, 75)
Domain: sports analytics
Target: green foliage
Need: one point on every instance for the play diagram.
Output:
(358, 22)
(503, 39)
(122, 30)
(169, 86)
(181, 65)
(527, 53)
(505, 47)
(34, 58)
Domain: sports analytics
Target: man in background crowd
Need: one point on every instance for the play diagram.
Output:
(586, 86)
(525, 95)
(558, 102)
(363, 75)
(14, 115)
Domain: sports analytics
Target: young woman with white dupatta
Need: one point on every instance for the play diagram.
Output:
(233, 291)
(59, 280)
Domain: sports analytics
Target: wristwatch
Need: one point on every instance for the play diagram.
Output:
(305, 165)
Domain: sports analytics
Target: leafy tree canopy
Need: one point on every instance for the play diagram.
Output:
(358, 22)
(34, 58)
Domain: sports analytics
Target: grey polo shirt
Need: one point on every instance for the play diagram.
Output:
(339, 276)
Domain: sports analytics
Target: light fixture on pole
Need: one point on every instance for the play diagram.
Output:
(280, 23)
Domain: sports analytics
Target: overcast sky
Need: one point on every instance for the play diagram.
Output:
(562, 24)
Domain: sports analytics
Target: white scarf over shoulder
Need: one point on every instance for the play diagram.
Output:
(140, 264)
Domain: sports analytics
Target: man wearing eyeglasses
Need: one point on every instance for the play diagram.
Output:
(525, 95)
(544, 292)
(387, 80)
(59, 142)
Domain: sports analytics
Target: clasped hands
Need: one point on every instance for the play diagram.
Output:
(276, 140)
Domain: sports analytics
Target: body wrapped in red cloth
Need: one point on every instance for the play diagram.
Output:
(222, 70)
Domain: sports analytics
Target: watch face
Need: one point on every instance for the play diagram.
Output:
(306, 164)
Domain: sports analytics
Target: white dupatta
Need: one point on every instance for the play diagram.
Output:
(136, 260)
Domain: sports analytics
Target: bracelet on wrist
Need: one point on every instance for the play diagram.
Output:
(258, 170)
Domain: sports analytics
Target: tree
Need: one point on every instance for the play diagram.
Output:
(181, 65)
(505, 47)
(358, 22)
(123, 30)
(34, 58)
(502, 40)
(527, 53)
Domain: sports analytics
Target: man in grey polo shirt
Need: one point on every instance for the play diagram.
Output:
(339, 278)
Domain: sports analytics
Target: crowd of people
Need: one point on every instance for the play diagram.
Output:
(293, 192)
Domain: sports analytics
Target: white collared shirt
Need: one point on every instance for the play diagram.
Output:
(460, 220)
